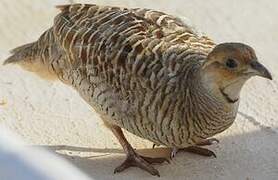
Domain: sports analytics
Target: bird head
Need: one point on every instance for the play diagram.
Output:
(229, 65)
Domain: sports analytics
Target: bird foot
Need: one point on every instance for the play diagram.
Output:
(195, 150)
(208, 142)
(200, 151)
(135, 160)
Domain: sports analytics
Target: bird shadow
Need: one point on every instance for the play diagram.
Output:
(243, 156)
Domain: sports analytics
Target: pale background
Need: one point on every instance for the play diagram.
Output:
(53, 116)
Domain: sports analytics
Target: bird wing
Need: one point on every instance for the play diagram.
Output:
(176, 30)
(120, 43)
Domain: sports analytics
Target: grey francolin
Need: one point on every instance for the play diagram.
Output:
(145, 71)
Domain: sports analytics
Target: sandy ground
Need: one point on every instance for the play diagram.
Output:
(53, 116)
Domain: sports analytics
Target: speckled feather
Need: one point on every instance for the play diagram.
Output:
(137, 68)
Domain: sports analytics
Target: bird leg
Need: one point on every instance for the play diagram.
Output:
(132, 158)
(196, 149)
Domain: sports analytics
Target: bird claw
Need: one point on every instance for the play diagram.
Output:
(193, 149)
(174, 152)
(155, 145)
(208, 142)
(142, 162)
(200, 151)
(196, 149)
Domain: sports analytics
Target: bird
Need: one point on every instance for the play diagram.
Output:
(144, 71)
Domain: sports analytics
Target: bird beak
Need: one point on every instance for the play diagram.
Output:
(259, 70)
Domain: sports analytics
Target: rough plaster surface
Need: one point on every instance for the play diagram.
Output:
(51, 115)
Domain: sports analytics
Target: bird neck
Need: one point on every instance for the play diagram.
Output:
(227, 92)
(209, 108)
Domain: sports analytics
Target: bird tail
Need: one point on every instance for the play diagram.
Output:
(21, 54)
(29, 58)
(35, 57)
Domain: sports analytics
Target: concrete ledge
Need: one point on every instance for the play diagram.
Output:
(53, 116)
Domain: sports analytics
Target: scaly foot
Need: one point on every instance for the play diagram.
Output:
(193, 149)
(134, 159)
(196, 149)
(208, 142)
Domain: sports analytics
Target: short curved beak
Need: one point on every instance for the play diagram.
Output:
(260, 70)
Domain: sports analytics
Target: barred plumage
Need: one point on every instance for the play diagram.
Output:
(136, 53)
(143, 70)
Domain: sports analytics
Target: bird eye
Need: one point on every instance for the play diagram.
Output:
(231, 63)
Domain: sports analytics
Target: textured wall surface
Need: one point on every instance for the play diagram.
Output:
(51, 115)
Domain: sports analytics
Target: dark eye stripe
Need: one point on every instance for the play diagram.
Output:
(231, 63)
